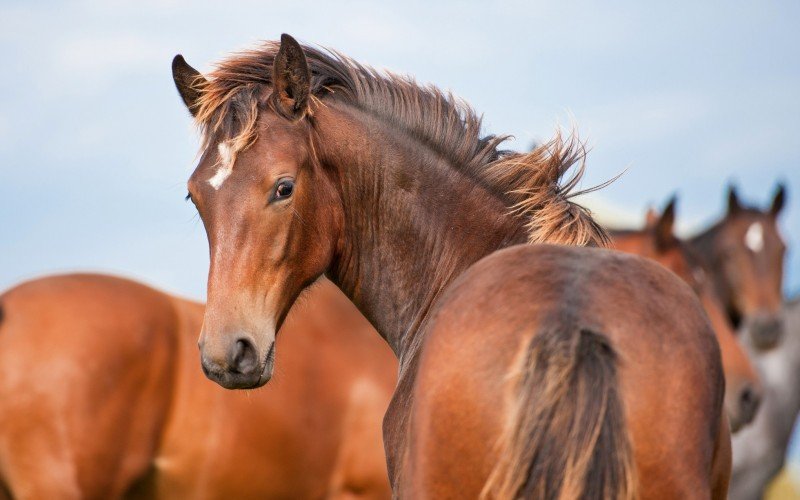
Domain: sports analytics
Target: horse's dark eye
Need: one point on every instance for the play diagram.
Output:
(284, 190)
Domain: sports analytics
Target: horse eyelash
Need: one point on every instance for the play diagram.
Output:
(187, 197)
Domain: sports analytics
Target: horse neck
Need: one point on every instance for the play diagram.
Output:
(703, 243)
(629, 241)
(703, 246)
(412, 223)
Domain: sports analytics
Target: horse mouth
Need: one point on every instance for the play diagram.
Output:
(269, 366)
(236, 380)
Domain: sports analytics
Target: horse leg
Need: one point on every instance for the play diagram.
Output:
(42, 468)
(360, 468)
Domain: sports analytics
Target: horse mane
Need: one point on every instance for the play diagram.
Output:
(532, 184)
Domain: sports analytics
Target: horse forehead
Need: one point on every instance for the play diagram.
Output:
(754, 237)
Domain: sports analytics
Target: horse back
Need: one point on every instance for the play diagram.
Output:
(85, 384)
(661, 363)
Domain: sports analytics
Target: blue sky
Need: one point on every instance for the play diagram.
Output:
(95, 146)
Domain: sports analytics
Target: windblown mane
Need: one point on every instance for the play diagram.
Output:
(531, 183)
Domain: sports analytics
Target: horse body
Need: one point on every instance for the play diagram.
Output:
(657, 241)
(464, 370)
(388, 190)
(759, 451)
(122, 409)
(84, 387)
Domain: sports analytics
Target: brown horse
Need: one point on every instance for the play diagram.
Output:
(101, 397)
(657, 241)
(546, 371)
(745, 253)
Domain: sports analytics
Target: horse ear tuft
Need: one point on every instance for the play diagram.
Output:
(779, 200)
(291, 79)
(186, 80)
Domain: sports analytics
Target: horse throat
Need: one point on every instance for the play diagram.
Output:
(413, 222)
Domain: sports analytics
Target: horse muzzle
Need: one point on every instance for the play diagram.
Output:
(766, 331)
(241, 366)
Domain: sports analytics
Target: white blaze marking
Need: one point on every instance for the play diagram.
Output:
(225, 168)
(754, 237)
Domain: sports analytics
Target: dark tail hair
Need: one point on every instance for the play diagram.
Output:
(565, 436)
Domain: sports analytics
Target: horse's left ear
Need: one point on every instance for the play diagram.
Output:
(291, 79)
(665, 225)
(779, 200)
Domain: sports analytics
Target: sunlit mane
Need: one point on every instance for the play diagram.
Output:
(531, 183)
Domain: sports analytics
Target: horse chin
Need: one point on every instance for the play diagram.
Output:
(240, 381)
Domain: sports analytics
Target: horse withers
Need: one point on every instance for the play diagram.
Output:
(657, 241)
(745, 253)
(314, 164)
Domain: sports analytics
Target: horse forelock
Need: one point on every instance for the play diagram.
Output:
(532, 183)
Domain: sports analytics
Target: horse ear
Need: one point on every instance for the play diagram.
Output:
(779, 200)
(187, 80)
(651, 217)
(733, 200)
(291, 79)
(664, 227)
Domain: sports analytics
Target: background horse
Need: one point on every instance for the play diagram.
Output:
(542, 370)
(657, 241)
(759, 451)
(101, 397)
(745, 253)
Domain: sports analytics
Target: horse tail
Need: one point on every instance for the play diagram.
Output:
(565, 436)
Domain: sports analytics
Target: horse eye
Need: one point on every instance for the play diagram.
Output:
(284, 189)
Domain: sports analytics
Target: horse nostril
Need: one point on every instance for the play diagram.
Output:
(243, 358)
(749, 400)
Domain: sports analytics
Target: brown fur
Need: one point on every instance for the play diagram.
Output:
(119, 408)
(657, 241)
(565, 420)
(420, 233)
(750, 284)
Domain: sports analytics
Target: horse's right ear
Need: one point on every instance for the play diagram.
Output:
(665, 225)
(186, 80)
(779, 200)
(733, 200)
